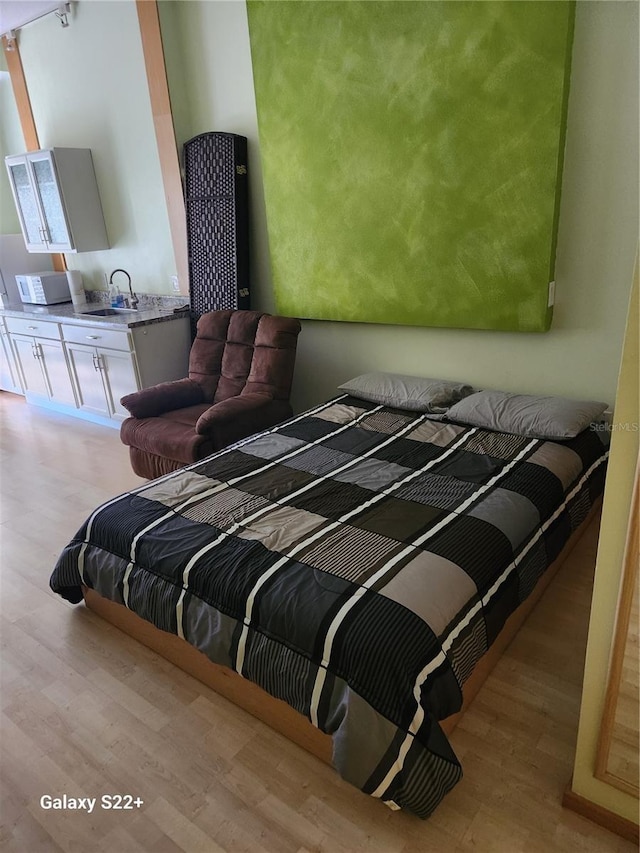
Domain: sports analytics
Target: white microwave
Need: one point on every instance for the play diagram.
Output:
(44, 288)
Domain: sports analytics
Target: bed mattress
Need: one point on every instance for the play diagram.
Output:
(356, 561)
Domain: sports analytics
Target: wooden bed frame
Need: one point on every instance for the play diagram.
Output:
(276, 713)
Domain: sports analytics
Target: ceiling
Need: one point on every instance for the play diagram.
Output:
(16, 13)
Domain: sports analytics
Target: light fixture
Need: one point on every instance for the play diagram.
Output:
(62, 13)
(15, 14)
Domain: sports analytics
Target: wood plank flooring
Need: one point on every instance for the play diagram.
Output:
(86, 711)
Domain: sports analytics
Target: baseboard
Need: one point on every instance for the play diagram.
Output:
(603, 817)
(66, 409)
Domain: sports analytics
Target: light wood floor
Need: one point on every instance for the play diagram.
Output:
(86, 711)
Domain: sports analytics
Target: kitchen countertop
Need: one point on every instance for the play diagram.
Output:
(66, 313)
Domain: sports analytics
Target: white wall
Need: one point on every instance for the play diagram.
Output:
(11, 142)
(597, 235)
(88, 89)
(210, 76)
(616, 520)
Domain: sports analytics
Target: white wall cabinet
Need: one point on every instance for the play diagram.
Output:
(57, 200)
(83, 369)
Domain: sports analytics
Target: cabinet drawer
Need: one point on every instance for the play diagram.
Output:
(35, 328)
(96, 336)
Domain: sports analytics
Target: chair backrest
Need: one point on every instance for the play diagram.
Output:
(238, 352)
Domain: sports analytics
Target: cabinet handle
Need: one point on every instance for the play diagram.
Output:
(32, 328)
(92, 337)
(95, 362)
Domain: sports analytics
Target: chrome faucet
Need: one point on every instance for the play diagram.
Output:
(134, 299)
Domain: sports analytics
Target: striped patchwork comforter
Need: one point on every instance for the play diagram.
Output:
(356, 562)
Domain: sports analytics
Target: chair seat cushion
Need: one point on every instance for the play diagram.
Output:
(172, 435)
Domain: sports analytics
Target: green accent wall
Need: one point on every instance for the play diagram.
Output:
(412, 157)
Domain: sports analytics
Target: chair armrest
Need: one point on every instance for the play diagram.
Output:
(237, 417)
(165, 397)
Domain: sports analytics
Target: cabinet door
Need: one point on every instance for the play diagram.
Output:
(120, 378)
(9, 377)
(26, 204)
(38, 197)
(49, 198)
(87, 377)
(28, 360)
(56, 371)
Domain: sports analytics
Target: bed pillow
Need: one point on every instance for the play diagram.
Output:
(407, 392)
(533, 416)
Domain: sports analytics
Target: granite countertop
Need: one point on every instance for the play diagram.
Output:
(67, 313)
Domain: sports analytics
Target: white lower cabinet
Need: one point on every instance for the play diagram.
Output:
(103, 367)
(84, 369)
(101, 378)
(43, 369)
(9, 376)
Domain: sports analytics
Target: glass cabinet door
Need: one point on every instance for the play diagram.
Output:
(57, 199)
(26, 205)
(35, 187)
(53, 216)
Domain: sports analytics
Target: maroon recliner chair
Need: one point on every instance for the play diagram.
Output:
(240, 372)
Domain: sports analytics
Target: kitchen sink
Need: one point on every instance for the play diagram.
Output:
(109, 312)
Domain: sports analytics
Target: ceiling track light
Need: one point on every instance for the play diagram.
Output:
(62, 14)
(14, 16)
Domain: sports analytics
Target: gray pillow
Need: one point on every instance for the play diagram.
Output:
(533, 416)
(406, 392)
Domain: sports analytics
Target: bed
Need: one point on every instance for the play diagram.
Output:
(361, 564)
